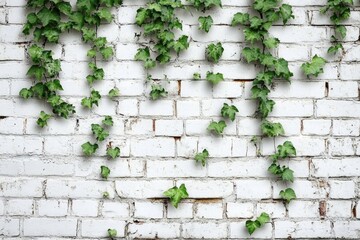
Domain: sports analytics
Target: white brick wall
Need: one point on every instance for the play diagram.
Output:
(48, 190)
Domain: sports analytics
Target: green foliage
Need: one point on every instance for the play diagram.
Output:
(315, 67)
(159, 20)
(203, 5)
(112, 233)
(285, 150)
(214, 78)
(217, 127)
(157, 92)
(108, 121)
(288, 194)
(270, 129)
(45, 70)
(89, 148)
(202, 157)
(228, 111)
(100, 133)
(197, 76)
(43, 118)
(252, 226)
(176, 194)
(94, 99)
(214, 52)
(340, 10)
(105, 172)
(285, 173)
(106, 195)
(113, 93)
(205, 23)
(113, 152)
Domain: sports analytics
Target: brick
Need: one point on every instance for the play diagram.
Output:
(253, 189)
(346, 128)
(204, 230)
(141, 188)
(98, 227)
(346, 167)
(316, 127)
(209, 211)
(48, 227)
(9, 227)
(148, 210)
(162, 147)
(169, 127)
(52, 208)
(21, 187)
(174, 168)
(158, 108)
(153, 230)
(346, 229)
(238, 231)
(303, 209)
(284, 229)
(184, 210)
(239, 210)
(115, 209)
(342, 189)
(85, 208)
(339, 209)
(205, 189)
(19, 207)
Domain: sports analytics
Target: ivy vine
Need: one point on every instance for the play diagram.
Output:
(256, 31)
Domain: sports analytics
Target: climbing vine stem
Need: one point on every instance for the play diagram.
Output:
(259, 50)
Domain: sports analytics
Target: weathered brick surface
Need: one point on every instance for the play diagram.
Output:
(49, 191)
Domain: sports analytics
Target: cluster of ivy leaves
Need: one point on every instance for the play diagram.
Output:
(260, 46)
(340, 11)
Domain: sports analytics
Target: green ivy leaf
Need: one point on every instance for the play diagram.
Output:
(286, 12)
(112, 233)
(282, 69)
(141, 16)
(228, 111)
(197, 76)
(252, 226)
(107, 52)
(214, 78)
(47, 16)
(217, 127)
(36, 71)
(157, 91)
(113, 152)
(113, 93)
(287, 175)
(181, 44)
(105, 172)
(240, 18)
(286, 150)
(288, 194)
(202, 157)
(266, 107)
(100, 133)
(214, 52)
(205, 23)
(89, 149)
(26, 93)
(177, 194)
(315, 67)
(43, 118)
(108, 121)
(265, 5)
(334, 49)
(105, 14)
(270, 129)
(271, 42)
(92, 100)
(340, 30)
(252, 35)
(35, 53)
(260, 93)
(251, 54)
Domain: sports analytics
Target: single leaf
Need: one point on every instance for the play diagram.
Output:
(286, 12)
(177, 194)
(228, 111)
(288, 195)
(112, 233)
(315, 67)
(108, 121)
(157, 91)
(113, 152)
(105, 172)
(270, 129)
(113, 93)
(202, 157)
(240, 18)
(43, 118)
(205, 23)
(89, 149)
(214, 78)
(214, 52)
(217, 127)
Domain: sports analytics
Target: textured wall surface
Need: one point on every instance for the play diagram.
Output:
(48, 190)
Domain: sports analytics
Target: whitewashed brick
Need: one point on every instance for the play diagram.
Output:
(346, 167)
(204, 230)
(239, 210)
(340, 209)
(169, 127)
(163, 147)
(209, 210)
(184, 210)
(48, 227)
(186, 109)
(274, 209)
(344, 89)
(284, 229)
(346, 128)
(19, 207)
(238, 231)
(115, 209)
(253, 189)
(204, 189)
(10, 227)
(141, 188)
(148, 210)
(52, 208)
(342, 189)
(21, 187)
(346, 229)
(85, 208)
(316, 127)
(303, 209)
(174, 168)
(156, 108)
(153, 230)
(98, 227)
